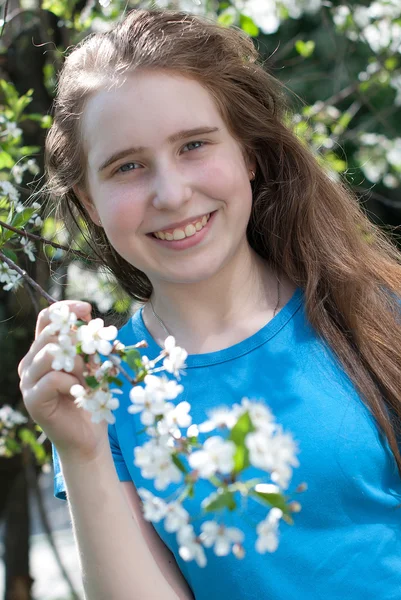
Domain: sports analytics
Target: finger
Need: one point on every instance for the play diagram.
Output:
(42, 364)
(46, 392)
(81, 309)
(46, 336)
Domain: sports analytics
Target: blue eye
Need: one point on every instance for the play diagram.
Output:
(127, 167)
(196, 145)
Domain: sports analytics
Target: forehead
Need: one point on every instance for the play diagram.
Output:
(145, 109)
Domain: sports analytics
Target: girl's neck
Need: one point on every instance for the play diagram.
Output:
(217, 313)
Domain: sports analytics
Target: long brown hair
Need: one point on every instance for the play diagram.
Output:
(303, 223)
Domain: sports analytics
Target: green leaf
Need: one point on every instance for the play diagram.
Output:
(92, 382)
(178, 463)
(248, 25)
(270, 499)
(226, 18)
(241, 458)
(220, 500)
(6, 161)
(241, 429)
(21, 219)
(305, 49)
(132, 357)
(10, 254)
(28, 150)
(115, 380)
(47, 121)
(391, 63)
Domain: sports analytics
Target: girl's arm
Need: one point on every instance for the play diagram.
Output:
(121, 555)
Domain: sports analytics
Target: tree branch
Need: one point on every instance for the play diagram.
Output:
(39, 238)
(27, 278)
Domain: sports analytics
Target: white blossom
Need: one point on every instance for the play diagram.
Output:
(150, 400)
(11, 278)
(189, 547)
(274, 454)
(219, 418)
(7, 189)
(260, 415)
(10, 417)
(95, 337)
(81, 396)
(99, 402)
(29, 248)
(221, 537)
(175, 417)
(61, 319)
(176, 356)
(13, 130)
(154, 508)
(176, 517)
(267, 531)
(217, 455)
(156, 463)
(64, 353)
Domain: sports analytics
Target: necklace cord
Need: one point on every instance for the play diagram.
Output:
(169, 333)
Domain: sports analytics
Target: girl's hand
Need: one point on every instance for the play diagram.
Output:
(46, 393)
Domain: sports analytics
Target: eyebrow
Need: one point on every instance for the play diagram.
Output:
(172, 139)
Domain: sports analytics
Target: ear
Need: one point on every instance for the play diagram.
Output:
(251, 162)
(87, 203)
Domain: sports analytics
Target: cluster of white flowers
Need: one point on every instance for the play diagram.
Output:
(269, 15)
(380, 159)
(376, 23)
(172, 453)
(270, 450)
(97, 286)
(18, 170)
(9, 128)
(11, 279)
(9, 419)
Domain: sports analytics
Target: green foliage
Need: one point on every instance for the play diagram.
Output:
(237, 435)
(220, 500)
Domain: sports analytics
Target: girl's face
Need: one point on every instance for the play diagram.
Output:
(160, 161)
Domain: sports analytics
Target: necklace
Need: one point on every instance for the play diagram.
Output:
(169, 333)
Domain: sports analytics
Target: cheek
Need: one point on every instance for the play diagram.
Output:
(227, 179)
(123, 211)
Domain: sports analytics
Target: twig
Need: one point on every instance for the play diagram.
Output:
(27, 278)
(33, 299)
(4, 18)
(39, 238)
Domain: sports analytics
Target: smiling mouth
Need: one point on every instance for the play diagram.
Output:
(184, 232)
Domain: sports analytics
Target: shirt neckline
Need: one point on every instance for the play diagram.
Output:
(260, 337)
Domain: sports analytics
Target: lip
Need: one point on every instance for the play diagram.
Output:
(182, 224)
(187, 242)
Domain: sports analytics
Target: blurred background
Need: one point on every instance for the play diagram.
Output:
(341, 64)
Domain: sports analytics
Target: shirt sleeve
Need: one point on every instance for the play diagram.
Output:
(119, 463)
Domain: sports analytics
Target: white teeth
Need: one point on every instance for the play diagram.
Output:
(180, 234)
(190, 230)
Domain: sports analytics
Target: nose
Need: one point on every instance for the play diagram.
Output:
(171, 189)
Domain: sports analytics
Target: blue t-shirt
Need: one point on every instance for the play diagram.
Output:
(346, 541)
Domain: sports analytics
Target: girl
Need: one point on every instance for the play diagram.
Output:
(169, 141)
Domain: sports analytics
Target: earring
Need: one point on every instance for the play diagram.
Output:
(253, 174)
